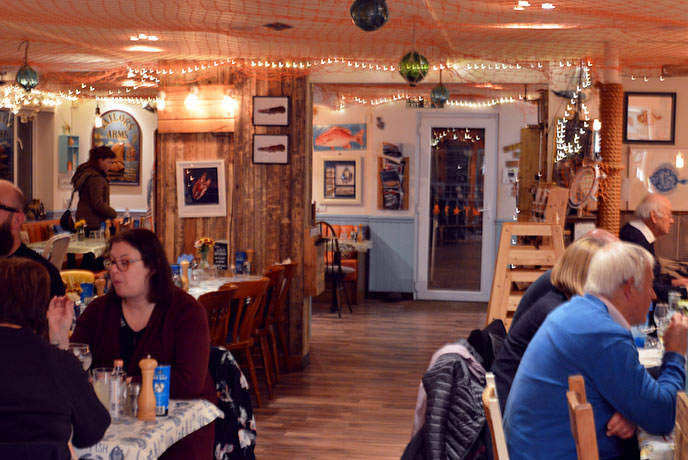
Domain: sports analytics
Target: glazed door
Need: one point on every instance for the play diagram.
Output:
(457, 202)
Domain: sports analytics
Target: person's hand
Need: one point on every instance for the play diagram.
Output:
(675, 335)
(619, 426)
(60, 316)
(679, 282)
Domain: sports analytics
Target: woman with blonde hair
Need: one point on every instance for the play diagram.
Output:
(567, 279)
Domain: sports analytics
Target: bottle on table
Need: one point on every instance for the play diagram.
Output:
(117, 386)
(126, 223)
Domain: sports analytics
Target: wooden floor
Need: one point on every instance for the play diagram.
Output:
(357, 397)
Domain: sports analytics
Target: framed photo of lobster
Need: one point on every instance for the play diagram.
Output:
(271, 149)
(201, 188)
(271, 111)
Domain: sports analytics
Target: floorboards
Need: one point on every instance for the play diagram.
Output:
(357, 397)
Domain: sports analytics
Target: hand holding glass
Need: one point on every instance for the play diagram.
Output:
(83, 352)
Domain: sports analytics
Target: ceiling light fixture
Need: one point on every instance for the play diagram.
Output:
(143, 48)
(26, 76)
(548, 6)
(369, 15)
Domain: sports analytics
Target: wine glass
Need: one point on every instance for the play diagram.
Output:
(662, 319)
(83, 352)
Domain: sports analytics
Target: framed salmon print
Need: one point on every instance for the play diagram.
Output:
(341, 180)
(201, 189)
(270, 111)
(339, 137)
(271, 149)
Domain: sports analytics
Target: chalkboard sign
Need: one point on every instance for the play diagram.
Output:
(220, 255)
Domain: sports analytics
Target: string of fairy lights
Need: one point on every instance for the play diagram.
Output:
(566, 148)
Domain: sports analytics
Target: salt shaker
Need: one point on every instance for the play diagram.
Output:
(146, 401)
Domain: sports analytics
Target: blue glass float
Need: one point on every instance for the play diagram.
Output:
(369, 15)
(26, 76)
(439, 95)
(413, 67)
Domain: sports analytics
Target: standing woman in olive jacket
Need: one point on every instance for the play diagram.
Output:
(90, 179)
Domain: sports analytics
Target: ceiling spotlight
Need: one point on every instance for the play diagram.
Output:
(548, 6)
(523, 3)
(519, 8)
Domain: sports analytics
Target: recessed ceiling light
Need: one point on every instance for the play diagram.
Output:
(519, 8)
(548, 6)
(138, 37)
(143, 48)
(523, 3)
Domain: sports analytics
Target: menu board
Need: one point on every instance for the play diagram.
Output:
(220, 255)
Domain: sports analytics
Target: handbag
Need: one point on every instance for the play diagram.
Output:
(66, 220)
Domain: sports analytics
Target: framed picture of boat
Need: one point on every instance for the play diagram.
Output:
(271, 149)
(341, 180)
(201, 189)
(270, 111)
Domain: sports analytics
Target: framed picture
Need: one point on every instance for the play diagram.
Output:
(270, 111)
(339, 137)
(122, 133)
(649, 117)
(201, 188)
(342, 180)
(271, 149)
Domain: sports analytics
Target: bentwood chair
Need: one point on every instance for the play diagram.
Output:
(582, 419)
(73, 278)
(217, 306)
(278, 323)
(274, 274)
(334, 272)
(494, 419)
(247, 298)
(681, 428)
(56, 249)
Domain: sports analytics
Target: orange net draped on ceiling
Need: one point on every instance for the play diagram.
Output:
(90, 41)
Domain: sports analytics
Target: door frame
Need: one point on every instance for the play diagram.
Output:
(490, 123)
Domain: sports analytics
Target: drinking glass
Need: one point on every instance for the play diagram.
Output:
(662, 319)
(83, 352)
(102, 377)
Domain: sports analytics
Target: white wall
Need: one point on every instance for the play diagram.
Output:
(79, 116)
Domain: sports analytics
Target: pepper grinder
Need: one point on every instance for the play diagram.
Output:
(185, 274)
(249, 261)
(146, 401)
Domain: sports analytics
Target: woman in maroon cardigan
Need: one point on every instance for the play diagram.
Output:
(145, 314)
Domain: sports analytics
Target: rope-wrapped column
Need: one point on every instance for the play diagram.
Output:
(611, 133)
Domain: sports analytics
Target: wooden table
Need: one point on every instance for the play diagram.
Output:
(197, 288)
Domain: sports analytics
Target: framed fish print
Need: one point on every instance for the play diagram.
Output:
(201, 189)
(270, 111)
(271, 149)
(342, 180)
(649, 118)
(351, 136)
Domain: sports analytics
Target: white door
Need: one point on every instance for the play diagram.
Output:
(456, 206)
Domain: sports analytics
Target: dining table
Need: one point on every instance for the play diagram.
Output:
(210, 284)
(96, 246)
(130, 438)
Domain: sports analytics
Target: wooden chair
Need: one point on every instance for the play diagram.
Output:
(218, 306)
(56, 249)
(334, 271)
(280, 322)
(247, 299)
(73, 278)
(274, 274)
(681, 429)
(494, 419)
(582, 419)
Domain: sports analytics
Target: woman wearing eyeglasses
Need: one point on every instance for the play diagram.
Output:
(145, 314)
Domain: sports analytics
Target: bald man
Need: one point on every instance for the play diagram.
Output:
(12, 208)
(653, 220)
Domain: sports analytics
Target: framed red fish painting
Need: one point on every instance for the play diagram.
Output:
(201, 188)
(351, 136)
(271, 111)
(271, 149)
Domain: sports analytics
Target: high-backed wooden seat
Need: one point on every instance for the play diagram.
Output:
(681, 429)
(274, 274)
(582, 419)
(280, 323)
(218, 307)
(247, 298)
(494, 419)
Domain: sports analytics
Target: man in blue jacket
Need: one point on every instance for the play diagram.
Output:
(590, 335)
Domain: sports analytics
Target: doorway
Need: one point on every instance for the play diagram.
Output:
(457, 202)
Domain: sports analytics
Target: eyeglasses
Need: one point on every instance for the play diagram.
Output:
(122, 264)
(8, 208)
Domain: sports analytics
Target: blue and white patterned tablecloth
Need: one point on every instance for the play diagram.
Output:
(130, 438)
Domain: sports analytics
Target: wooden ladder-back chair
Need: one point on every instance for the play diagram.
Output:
(582, 419)
(218, 306)
(244, 305)
(280, 323)
(681, 429)
(494, 419)
(56, 249)
(334, 271)
(274, 274)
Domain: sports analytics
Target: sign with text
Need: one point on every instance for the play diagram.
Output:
(122, 133)
(220, 255)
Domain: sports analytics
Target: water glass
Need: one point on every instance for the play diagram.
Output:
(83, 352)
(102, 378)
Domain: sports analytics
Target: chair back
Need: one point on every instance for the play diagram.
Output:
(217, 306)
(681, 429)
(56, 249)
(582, 419)
(289, 272)
(333, 256)
(494, 419)
(275, 274)
(247, 298)
(73, 278)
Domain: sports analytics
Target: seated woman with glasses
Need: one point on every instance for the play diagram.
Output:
(45, 395)
(146, 314)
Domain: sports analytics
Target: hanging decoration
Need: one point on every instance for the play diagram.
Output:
(369, 15)
(27, 77)
(439, 94)
(413, 67)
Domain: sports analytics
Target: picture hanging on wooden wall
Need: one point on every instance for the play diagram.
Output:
(122, 133)
(342, 180)
(339, 137)
(271, 149)
(270, 111)
(201, 188)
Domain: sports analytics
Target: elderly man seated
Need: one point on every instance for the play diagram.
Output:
(590, 335)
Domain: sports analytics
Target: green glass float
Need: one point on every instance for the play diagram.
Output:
(413, 67)
(369, 15)
(26, 76)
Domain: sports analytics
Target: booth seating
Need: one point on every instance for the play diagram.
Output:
(39, 230)
(350, 259)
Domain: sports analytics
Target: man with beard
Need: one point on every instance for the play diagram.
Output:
(12, 208)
